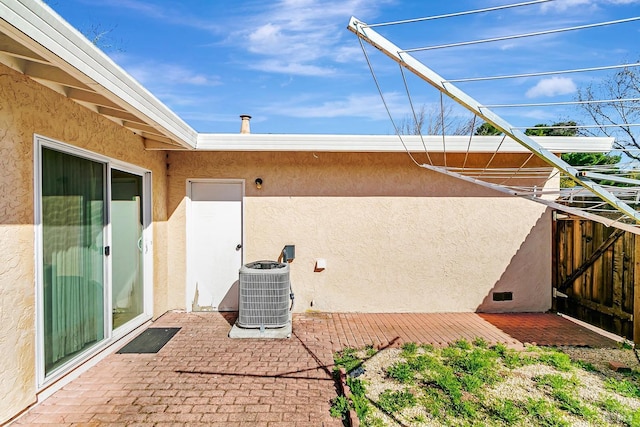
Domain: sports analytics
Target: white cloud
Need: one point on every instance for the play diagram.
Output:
(301, 36)
(174, 15)
(564, 5)
(552, 87)
(365, 106)
(581, 6)
(292, 68)
(154, 74)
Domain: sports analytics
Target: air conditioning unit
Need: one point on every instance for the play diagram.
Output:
(264, 295)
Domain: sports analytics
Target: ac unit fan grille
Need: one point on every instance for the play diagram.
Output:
(264, 297)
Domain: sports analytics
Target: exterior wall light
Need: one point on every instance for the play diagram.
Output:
(258, 182)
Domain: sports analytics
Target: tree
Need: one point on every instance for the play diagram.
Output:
(430, 122)
(101, 37)
(557, 129)
(487, 129)
(621, 93)
(569, 128)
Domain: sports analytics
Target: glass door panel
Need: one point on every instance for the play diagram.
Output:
(127, 246)
(73, 219)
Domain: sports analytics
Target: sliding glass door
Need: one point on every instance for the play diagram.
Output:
(73, 245)
(94, 214)
(127, 246)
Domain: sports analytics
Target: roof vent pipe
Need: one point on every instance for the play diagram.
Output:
(244, 126)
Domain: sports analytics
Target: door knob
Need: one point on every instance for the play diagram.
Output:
(238, 247)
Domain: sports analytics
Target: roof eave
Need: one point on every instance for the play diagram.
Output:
(37, 27)
(393, 143)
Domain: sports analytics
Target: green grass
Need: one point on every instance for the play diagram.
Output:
(452, 386)
(507, 411)
(339, 407)
(557, 359)
(395, 401)
(347, 359)
(565, 392)
(543, 413)
(624, 387)
(357, 386)
(401, 372)
(409, 349)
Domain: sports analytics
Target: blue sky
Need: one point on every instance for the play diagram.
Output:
(294, 67)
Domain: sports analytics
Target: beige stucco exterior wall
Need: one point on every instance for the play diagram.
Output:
(396, 237)
(27, 108)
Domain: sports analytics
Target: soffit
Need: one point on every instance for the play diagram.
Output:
(37, 42)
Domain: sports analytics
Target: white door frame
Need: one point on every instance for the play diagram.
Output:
(189, 230)
(45, 382)
(147, 239)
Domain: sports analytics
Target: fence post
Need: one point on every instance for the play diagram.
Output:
(636, 289)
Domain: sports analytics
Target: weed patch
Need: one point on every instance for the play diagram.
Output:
(465, 383)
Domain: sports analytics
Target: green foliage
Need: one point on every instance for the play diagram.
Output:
(339, 407)
(475, 368)
(626, 345)
(564, 391)
(500, 349)
(452, 385)
(590, 159)
(396, 401)
(544, 413)
(568, 402)
(635, 418)
(401, 371)
(480, 342)
(420, 419)
(558, 360)
(433, 401)
(557, 381)
(357, 386)
(462, 344)
(370, 351)
(487, 129)
(507, 411)
(347, 358)
(581, 364)
(409, 349)
(558, 129)
(612, 405)
(422, 362)
(427, 347)
(623, 387)
(361, 406)
(449, 383)
(373, 422)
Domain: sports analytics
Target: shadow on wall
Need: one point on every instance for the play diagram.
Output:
(307, 174)
(533, 261)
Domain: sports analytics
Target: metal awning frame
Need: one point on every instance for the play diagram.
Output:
(406, 60)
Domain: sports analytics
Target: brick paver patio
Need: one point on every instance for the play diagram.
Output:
(202, 377)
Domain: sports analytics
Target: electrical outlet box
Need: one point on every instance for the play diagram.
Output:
(289, 253)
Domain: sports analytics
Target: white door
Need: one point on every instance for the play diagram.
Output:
(214, 245)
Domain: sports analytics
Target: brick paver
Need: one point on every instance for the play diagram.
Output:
(202, 377)
(546, 329)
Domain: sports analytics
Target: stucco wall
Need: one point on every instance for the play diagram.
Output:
(396, 237)
(27, 108)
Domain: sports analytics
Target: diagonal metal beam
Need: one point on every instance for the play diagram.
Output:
(405, 59)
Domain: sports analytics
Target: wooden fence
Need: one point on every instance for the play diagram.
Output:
(595, 272)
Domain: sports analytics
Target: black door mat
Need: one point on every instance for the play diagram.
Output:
(149, 341)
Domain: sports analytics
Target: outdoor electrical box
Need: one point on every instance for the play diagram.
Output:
(289, 253)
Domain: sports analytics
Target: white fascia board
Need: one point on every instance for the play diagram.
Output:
(392, 143)
(45, 27)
